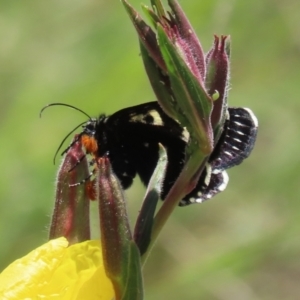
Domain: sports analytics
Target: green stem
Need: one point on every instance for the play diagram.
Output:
(183, 185)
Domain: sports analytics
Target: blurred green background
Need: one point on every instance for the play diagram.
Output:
(243, 244)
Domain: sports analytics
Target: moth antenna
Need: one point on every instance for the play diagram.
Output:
(64, 104)
(62, 142)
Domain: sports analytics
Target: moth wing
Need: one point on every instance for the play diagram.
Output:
(133, 143)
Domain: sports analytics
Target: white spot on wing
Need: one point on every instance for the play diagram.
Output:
(192, 200)
(237, 140)
(228, 153)
(208, 174)
(240, 133)
(227, 117)
(223, 186)
(239, 124)
(199, 200)
(252, 115)
(185, 135)
(157, 120)
(216, 171)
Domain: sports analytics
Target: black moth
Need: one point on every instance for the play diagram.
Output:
(130, 139)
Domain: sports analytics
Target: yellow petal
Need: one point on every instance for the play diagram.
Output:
(56, 271)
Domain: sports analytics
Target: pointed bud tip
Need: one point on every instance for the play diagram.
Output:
(220, 43)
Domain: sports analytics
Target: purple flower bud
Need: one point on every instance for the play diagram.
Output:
(217, 79)
(71, 210)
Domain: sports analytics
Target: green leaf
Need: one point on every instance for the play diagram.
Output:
(143, 227)
(133, 287)
(120, 254)
(159, 82)
(194, 104)
(146, 34)
(159, 8)
(186, 182)
(152, 17)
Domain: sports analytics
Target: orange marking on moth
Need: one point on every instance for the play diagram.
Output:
(90, 144)
(90, 190)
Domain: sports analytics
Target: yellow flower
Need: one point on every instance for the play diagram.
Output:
(56, 271)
